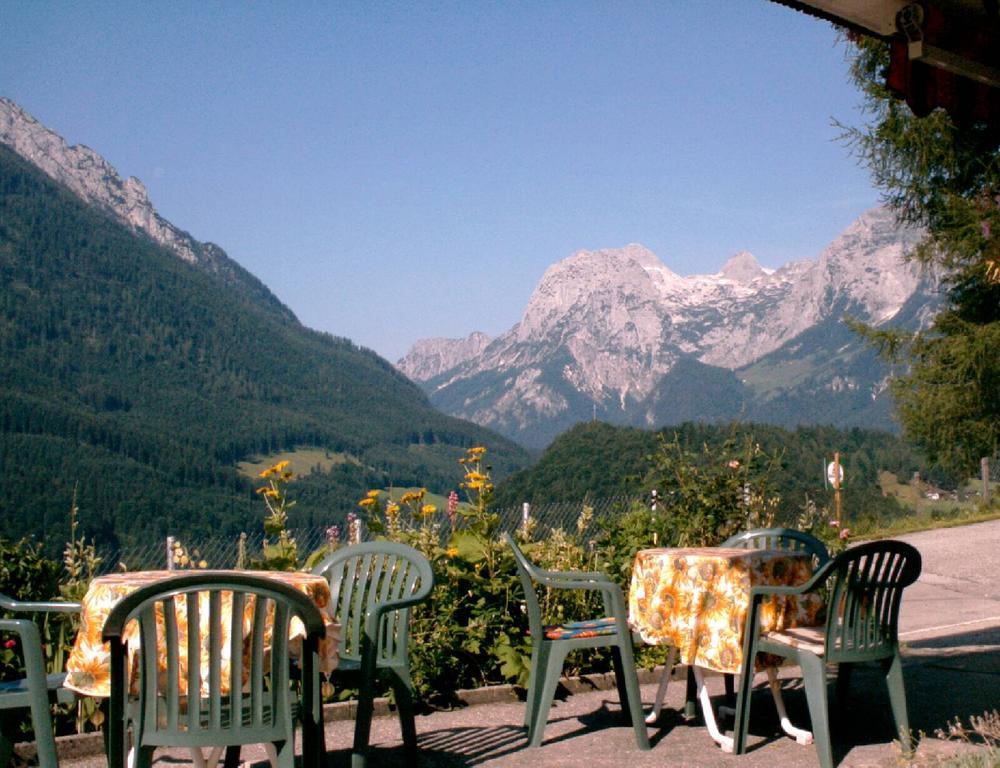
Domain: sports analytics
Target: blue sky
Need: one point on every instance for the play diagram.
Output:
(397, 170)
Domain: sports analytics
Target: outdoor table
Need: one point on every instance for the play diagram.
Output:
(89, 665)
(696, 600)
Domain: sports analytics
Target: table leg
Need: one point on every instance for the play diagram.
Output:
(800, 736)
(661, 690)
(690, 696)
(706, 709)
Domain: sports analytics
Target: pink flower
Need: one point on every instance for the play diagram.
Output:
(10, 643)
(734, 464)
(845, 533)
(986, 229)
(452, 507)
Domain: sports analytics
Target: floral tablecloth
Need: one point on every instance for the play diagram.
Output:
(89, 665)
(696, 599)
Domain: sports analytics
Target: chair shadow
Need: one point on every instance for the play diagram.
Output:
(443, 748)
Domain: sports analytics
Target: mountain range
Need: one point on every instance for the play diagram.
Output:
(616, 335)
(140, 367)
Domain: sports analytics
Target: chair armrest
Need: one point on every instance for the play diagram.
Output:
(38, 607)
(567, 583)
(817, 580)
(575, 575)
(31, 649)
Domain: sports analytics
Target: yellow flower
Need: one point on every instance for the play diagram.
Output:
(477, 451)
(428, 509)
(367, 502)
(280, 466)
(392, 510)
(412, 496)
(451, 551)
(372, 494)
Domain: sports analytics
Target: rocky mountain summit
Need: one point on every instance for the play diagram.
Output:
(608, 333)
(98, 184)
(429, 357)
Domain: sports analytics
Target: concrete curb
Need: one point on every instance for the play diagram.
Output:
(81, 745)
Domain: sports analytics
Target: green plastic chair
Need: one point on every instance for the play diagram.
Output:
(37, 690)
(373, 586)
(260, 706)
(774, 538)
(550, 644)
(780, 538)
(865, 586)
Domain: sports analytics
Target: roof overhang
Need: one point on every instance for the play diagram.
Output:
(945, 53)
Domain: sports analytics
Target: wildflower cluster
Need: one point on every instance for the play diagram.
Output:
(181, 558)
(280, 555)
(396, 518)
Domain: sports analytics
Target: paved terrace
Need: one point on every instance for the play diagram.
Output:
(950, 627)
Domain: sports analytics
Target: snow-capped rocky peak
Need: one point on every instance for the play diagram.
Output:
(742, 268)
(604, 330)
(588, 279)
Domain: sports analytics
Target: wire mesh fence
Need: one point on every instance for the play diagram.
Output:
(581, 518)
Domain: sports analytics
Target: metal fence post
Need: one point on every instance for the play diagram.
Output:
(985, 467)
(170, 553)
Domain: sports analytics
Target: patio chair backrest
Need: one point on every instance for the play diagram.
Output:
(528, 574)
(367, 581)
(780, 538)
(256, 708)
(866, 584)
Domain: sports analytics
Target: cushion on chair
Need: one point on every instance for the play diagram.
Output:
(574, 629)
(52, 681)
(804, 638)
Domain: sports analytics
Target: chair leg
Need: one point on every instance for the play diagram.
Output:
(8, 735)
(232, 759)
(741, 714)
(41, 720)
(533, 678)
(842, 690)
(897, 698)
(407, 719)
(620, 681)
(629, 692)
(363, 726)
(281, 754)
(550, 657)
(814, 677)
(729, 681)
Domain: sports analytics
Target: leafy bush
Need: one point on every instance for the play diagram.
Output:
(711, 495)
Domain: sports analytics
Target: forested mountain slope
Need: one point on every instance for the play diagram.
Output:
(599, 461)
(140, 379)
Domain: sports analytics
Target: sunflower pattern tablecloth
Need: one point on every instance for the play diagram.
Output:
(89, 665)
(696, 599)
